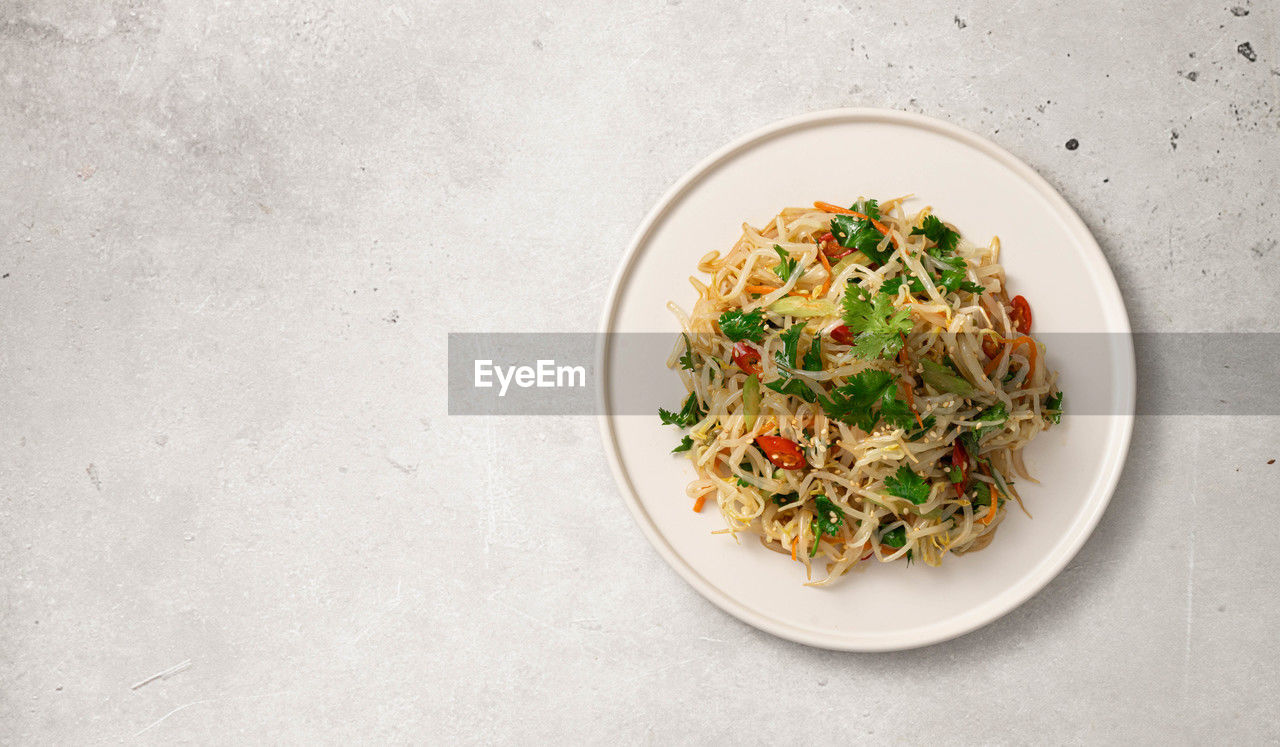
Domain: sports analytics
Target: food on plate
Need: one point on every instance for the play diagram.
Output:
(860, 387)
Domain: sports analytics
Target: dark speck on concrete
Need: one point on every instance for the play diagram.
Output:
(1104, 181)
(960, 22)
(1191, 75)
(2, 277)
(537, 43)
(1239, 12)
(1072, 144)
(1269, 461)
(1173, 139)
(1246, 51)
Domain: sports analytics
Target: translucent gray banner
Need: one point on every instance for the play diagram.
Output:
(562, 374)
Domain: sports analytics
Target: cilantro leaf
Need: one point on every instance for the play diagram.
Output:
(738, 326)
(686, 443)
(861, 235)
(907, 484)
(877, 324)
(827, 515)
(686, 360)
(790, 353)
(934, 230)
(689, 414)
(827, 518)
(996, 415)
(782, 499)
(918, 433)
(790, 356)
(896, 537)
(955, 277)
(813, 357)
(794, 387)
(786, 264)
(865, 399)
(890, 287)
(896, 412)
(1053, 408)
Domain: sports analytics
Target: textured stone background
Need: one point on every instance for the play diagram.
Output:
(235, 235)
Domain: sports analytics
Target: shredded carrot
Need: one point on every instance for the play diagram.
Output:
(766, 289)
(994, 364)
(793, 546)
(911, 400)
(827, 207)
(826, 285)
(1032, 357)
(697, 505)
(991, 512)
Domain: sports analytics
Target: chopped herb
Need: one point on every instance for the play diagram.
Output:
(861, 235)
(865, 399)
(896, 537)
(793, 387)
(686, 360)
(955, 277)
(1053, 408)
(955, 475)
(827, 518)
(813, 358)
(686, 443)
(790, 353)
(890, 287)
(745, 467)
(918, 433)
(738, 326)
(907, 484)
(934, 230)
(996, 415)
(782, 499)
(689, 414)
(878, 326)
(786, 265)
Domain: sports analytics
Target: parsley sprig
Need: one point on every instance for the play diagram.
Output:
(878, 326)
(786, 264)
(1053, 408)
(686, 360)
(944, 238)
(691, 413)
(738, 326)
(861, 235)
(907, 484)
(868, 398)
(827, 518)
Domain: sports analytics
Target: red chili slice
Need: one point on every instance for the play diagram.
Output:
(1021, 314)
(842, 335)
(783, 452)
(832, 248)
(747, 357)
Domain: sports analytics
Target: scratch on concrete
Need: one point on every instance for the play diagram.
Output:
(92, 472)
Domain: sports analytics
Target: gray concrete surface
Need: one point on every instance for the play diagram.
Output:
(235, 235)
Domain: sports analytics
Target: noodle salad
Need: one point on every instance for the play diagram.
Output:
(860, 387)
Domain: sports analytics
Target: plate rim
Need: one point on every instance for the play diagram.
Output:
(1003, 602)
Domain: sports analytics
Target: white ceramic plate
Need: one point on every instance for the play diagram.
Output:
(1050, 257)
